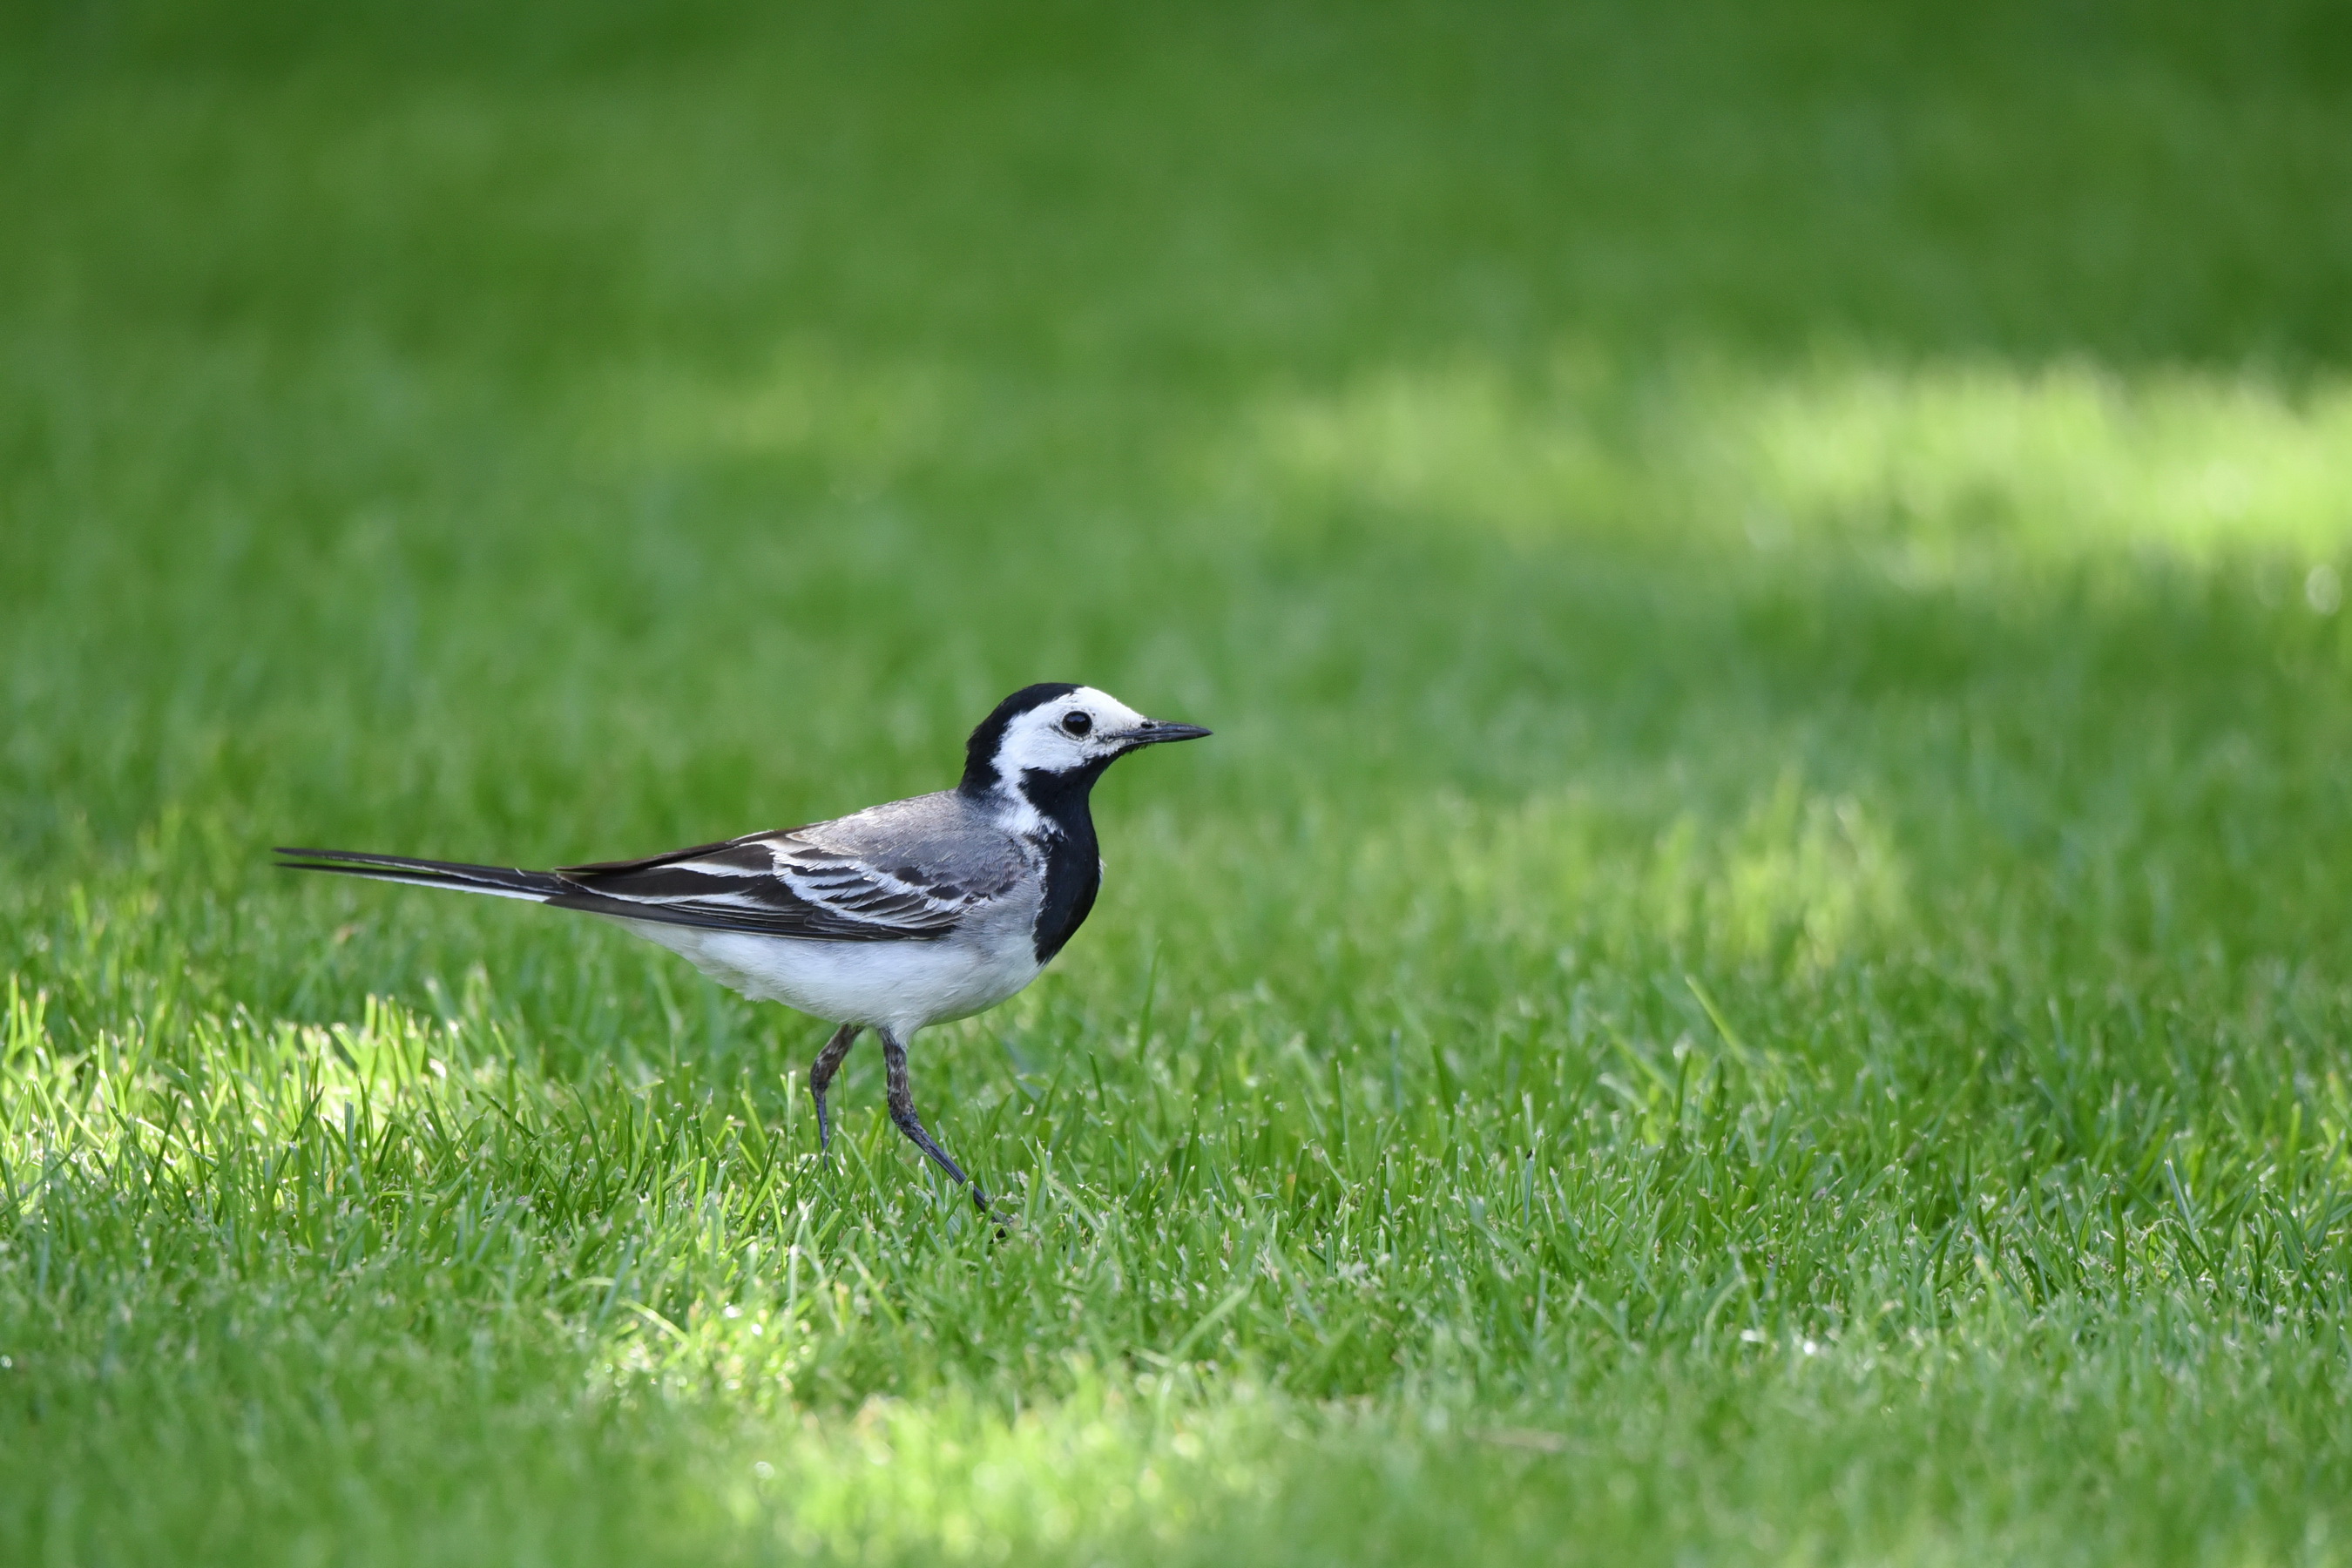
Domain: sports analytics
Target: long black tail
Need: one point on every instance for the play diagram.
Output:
(499, 881)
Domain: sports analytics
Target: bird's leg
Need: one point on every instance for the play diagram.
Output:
(821, 1071)
(902, 1111)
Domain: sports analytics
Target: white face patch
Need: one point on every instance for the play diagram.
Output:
(1067, 733)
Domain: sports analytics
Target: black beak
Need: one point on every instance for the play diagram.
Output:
(1153, 732)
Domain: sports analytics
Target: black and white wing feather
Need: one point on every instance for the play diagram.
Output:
(777, 884)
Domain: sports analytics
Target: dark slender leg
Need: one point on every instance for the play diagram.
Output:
(902, 1111)
(821, 1071)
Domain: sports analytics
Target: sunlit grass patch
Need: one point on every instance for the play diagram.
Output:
(867, 423)
(1955, 465)
(2062, 463)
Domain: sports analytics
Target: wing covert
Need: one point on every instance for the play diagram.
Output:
(777, 884)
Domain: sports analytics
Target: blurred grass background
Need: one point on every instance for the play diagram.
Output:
(1754, 973)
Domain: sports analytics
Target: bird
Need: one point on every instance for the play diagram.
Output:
(891, 919)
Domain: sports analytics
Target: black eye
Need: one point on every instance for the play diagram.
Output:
(1078, 723)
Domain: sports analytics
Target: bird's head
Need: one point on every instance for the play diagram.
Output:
(1056, 736)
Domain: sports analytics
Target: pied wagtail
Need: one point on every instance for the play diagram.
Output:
(889, 918)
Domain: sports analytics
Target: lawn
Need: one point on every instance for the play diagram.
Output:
(1756, 970)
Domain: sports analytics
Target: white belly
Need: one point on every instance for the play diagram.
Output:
(898, 985)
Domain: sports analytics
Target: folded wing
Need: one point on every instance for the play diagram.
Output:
(776, 883)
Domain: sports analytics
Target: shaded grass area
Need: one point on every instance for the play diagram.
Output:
(1753, 972)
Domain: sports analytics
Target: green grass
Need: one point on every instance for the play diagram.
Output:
(1756, 970)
